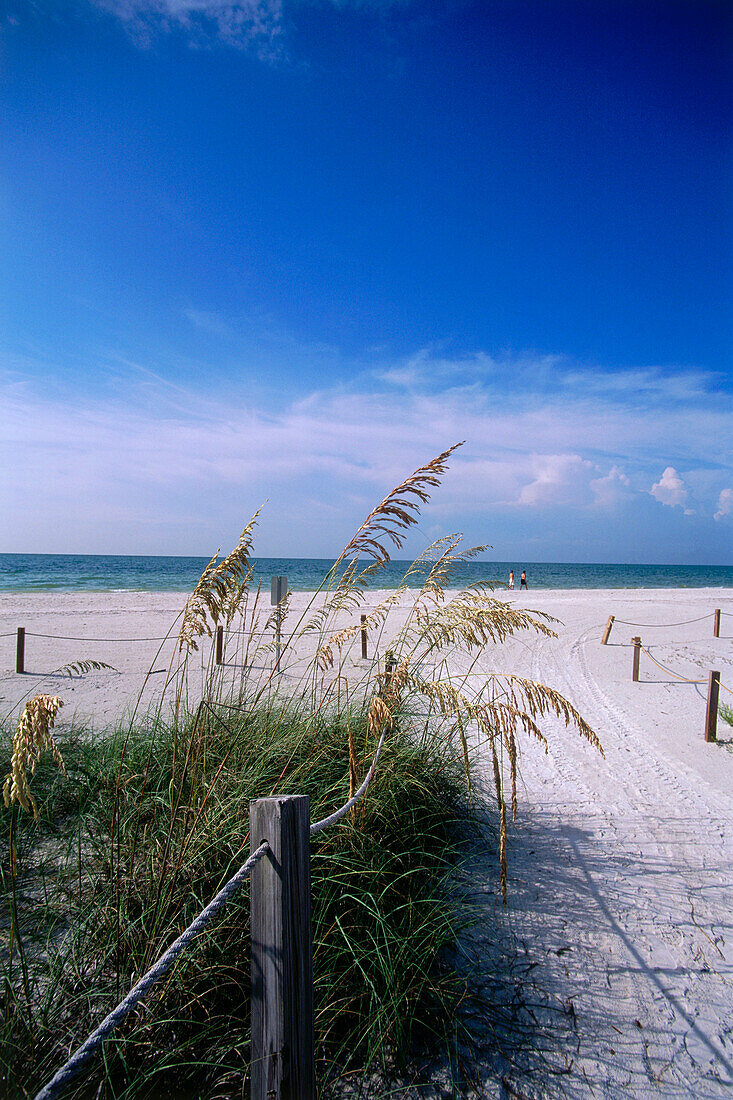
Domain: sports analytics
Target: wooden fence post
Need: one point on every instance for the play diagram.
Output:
(711, 717)
(20, 650)
(363, 638)
(607, 631)
(282, 951)
(220, 645)
(716, 623)
(636, 642)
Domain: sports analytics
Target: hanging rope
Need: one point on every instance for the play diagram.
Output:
(70, 1069)
(661, 626)
(334, 817)
(72, 638)
(669, 671)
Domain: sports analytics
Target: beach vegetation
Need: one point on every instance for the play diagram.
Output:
(141, 827)
(726, 713)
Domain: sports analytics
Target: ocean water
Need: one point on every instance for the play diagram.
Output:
(110, 573)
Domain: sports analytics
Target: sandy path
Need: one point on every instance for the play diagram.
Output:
(611, 971)
(618, 942)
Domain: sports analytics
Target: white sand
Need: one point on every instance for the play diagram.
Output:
(612, 968)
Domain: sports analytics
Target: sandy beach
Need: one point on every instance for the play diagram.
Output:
(611, 970)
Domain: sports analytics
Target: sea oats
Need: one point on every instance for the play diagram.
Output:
(219, 592)
(32, 735)
(79, 668)
(502, 814)
(397, 512)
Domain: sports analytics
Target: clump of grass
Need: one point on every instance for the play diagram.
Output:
(726, 713)
(382, 903)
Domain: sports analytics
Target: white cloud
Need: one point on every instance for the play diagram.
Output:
(611, 489)
(256, 24)
(725, 504)
(670, 489)
(558, 479)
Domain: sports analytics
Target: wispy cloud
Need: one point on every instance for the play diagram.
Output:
(244, 24)
(255, 25)
(191, 459)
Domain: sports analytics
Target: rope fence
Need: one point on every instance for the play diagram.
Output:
(286, 1058)
(220, 637)
(714, 684)
(661, 626)
(84, 638)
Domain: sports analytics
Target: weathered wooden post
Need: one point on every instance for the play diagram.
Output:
(711, 717)
(636, 642)
(20, 650)
(607, 631)
(363, 638)
(716, 623)
(220, 645)
(282, 951)
(278, 592)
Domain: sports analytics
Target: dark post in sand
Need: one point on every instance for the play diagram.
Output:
(711, 716)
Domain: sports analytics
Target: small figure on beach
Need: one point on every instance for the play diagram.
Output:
(523, 580)
(511, 578)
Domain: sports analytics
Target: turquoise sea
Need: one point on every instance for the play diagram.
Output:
(111, 573)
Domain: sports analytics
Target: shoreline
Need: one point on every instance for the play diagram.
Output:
(500, 591)
(38, 574)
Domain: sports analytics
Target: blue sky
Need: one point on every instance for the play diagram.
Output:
(291, 249)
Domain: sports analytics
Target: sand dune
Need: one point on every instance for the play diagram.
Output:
(611, 971)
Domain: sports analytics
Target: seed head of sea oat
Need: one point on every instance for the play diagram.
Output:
(32, 735)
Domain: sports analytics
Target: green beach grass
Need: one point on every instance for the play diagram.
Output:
(122, 858)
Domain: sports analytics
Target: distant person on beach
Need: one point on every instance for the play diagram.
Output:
(523, 580)
(511, 578)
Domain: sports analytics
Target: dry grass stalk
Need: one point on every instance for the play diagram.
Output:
(32, 735)
(79, 668)
(377, 618)
(397, 512)
(219, 592)
(446, 559)
(352, 763)
(348, 595)
(512, 750)
(502, 812)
